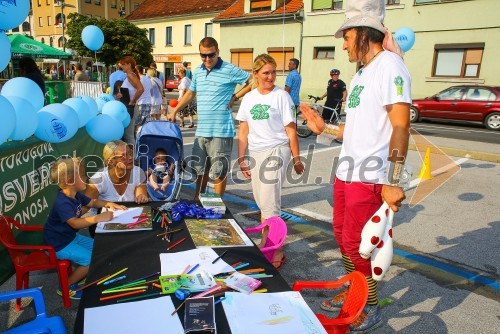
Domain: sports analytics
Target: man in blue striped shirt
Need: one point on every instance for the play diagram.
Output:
(213, 86)
(293, 81)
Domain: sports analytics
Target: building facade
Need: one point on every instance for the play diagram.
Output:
(48, 15)
(456, 42)
(251, 27)
(176, 28)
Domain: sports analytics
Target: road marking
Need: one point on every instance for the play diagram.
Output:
(313, 215)
(451, 129)
(321, 150)
(443, 169)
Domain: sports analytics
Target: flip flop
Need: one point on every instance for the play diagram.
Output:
(279, 262)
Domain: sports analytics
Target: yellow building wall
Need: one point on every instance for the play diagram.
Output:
(188, 53)
(261, 36)
(434, 23)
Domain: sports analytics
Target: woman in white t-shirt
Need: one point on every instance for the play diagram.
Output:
(119, 180)
(184, 85)
(267, 129)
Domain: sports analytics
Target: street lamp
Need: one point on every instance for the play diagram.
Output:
(63, 4)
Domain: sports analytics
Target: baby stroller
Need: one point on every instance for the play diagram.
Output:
(152, 136)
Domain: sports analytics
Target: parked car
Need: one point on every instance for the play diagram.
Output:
(467, 103)
(172, 82)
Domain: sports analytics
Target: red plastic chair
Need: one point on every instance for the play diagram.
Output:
(275, 238)
(353, 305)
(28, 258)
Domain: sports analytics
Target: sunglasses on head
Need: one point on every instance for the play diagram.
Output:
(209, 55)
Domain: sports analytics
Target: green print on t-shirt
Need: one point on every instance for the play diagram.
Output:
(354, 99)
(259, 112)
(398, 81)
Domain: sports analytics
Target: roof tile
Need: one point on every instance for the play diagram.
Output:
(237, 10)
(151, 9)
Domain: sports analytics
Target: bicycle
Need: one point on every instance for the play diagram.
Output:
(303, 130)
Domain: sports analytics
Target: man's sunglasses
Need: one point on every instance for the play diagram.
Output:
(209, 55)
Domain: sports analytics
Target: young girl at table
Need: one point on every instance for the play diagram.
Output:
(65, 219)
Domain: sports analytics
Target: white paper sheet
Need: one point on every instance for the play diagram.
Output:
(270, 313)
(175, 263)
(122, 217)
(146, 316)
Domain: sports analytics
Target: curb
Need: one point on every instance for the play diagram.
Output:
(456, 152)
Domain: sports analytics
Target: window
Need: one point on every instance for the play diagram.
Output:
(458, 60)
(243, 58)
(16, 29)
(282, 57)
(260, 5)
(88, 1)
(430, 1)
(59, 19)
(97, 3)
(152, 36)
(39, 3)
(40, 21)
(326, 4)
(479, 94)
(42, 40)
(113, 5)
(324, 52)
(51, 41)
(136, 5)
(208, 30)
(26, 26)
(47, 2)
(49, 20)
(187, 34)
(392, 2)
(60, 42)
(168, 36)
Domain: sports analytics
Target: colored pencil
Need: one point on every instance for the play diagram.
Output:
(115, 280)
(144, 277)
(173, 231)
(185, 270)
(236, 264)
(260, 291)
(121, 295)
(174, 245)
(126, 289)
(243, 265)
(193, 269)
(139, 297)
(157, 285)
(220, 300)
(137, 222)
(179, 307)
(94, 282)
(219, 257)
(109, 277)
(128, 284)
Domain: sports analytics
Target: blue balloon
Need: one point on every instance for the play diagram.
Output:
(13, 13)
(405, 37)
(4, 51)
(26, 118)
(8, 117)
(106, 97)
(81, 108)
(92, 37)
(104, 128)
(100, 104)
(57, 123)
(93, 110)
(26, 89)
(117, 110)
(126, 121)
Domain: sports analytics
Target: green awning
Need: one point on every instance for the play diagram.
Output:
(22, 46)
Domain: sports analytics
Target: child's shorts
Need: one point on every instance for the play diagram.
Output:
(78, 251)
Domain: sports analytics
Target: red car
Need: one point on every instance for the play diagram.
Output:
(172, 82)
(465, 103)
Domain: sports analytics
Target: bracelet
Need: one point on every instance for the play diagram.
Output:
(235, 97)
(398, 174)
(331, 130)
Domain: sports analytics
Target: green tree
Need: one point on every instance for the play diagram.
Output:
(120, 38)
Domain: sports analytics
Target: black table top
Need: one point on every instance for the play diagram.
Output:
(139, 252)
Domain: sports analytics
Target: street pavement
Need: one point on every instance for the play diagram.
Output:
(445, 272)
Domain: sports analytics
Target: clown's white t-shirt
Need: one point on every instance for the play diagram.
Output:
(267, 115)
(367, 132)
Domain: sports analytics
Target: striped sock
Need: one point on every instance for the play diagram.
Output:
(348, 265)
(372, 291)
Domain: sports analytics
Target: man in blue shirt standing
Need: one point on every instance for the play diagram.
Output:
(293, 81)
(213, 85)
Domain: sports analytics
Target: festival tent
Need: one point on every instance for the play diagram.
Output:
(22, 46)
